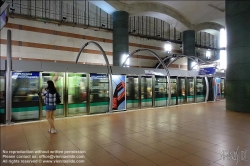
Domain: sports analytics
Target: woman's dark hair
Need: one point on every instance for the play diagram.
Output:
(51, 87)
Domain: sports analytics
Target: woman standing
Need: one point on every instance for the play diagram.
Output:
(50, 94)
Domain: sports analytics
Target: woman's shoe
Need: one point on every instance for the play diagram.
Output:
(53, 131)
(49, 130)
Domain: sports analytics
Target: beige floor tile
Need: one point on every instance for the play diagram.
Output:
(140, 161)
(131, 144)
(114, 148)
(107, 160)
(195, 160)
(175, 153)
(159, 158)
(209, 155)
(175, 163)
(126, 156)
(173, 142)
(197, 135)
(189, 148)
(144, 150)
(160, 146)
(96, 153)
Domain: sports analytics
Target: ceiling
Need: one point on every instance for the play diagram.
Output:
(196, 11)
(188, 12)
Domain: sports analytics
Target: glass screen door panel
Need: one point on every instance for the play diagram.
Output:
(99, 93)
(132, 93)
(173, 90)
(59, 82)
(146, 91)
(181, 90)
(25, 99)
(200, 89)
(190, 90)
(160, 91)
(77, 94)
(2, 97)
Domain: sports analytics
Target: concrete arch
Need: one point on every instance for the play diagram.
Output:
(208, 25)
(147, 7)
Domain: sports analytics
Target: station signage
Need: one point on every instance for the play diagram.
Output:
(94, 76)
(206, 71)
(16, 75)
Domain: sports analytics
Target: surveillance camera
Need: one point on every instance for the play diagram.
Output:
(12, 9)
(64, 18)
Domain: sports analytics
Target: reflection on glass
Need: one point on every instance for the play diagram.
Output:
(146, 91)
(132, 92)
(173, 87)
(146, 88)
(77, 88)
(200, 89)
(58, 79)
(190, 90)
(77, 94)
(25, 100)
(160, 91)
(99, 93)
(199, 85)
(181, 90)
(2, 99)
(183, 87)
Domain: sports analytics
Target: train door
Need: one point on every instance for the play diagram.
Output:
(146, 91)
(173, 81)
(25, 99)
(132, 92)
(59, 81)
(190, 89)
(2, 97)
(160, 90)
(76, 94)
(181, 90)
(222, 88)
(200, 89)
(98, 93)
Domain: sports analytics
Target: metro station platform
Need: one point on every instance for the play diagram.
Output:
(194, 134)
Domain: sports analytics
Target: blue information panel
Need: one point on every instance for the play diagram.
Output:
(25, 75)
(206, 71)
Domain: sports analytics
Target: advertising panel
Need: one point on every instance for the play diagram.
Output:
(119, 92)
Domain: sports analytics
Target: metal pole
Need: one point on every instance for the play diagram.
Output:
(8, 79)
(160, 61)
(108, 67)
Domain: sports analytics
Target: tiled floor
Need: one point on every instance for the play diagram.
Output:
(196, 134)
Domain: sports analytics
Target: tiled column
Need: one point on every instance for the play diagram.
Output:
(120, 36)
(188, 45)
(238, 56)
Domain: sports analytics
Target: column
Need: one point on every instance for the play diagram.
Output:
(120, 36)
(188, 46)
(238, 56)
